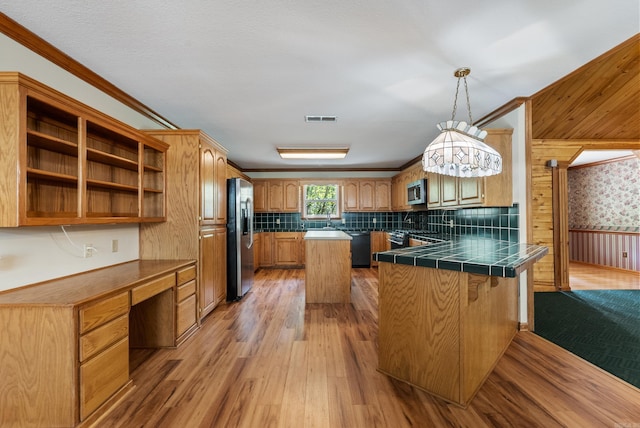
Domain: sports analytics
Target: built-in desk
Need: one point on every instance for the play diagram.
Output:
(64, 350)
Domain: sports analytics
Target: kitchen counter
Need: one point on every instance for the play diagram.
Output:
(327, 266)
(469, 254)
(448, 311)
(327, 234)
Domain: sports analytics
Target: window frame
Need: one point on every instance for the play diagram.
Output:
(338, 211)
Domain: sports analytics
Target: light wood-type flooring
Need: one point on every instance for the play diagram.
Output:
(271, 361)
(584, 276)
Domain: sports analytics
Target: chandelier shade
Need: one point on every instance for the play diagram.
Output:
(459, 149)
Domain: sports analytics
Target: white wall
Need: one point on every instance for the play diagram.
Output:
(516, 120)
(33, 254)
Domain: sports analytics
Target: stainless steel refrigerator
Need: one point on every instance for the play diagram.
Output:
(239, 238)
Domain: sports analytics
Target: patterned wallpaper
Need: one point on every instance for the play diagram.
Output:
(605, 196)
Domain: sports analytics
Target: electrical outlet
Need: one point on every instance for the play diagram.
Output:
(87, 250)
(625, 254)
(375, 220)
(451, 223)
(344, 221)
(277, 221)
(114, 245)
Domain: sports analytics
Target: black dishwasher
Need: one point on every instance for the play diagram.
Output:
(360, 248)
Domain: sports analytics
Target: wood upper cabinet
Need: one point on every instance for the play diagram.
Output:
(351, 195)
(213, 184)
(366, 195)
(276, 195)
(66, 163)
(260, 196)
(447, 191)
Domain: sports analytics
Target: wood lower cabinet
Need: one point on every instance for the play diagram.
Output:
(213, 269)
(257, 250)
(186, 303)
(66, 343)
(66, 163)
(196, 167)
(379, 243)
(287, 248)
(266, 255)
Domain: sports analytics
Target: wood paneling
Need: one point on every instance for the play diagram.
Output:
(595, 107)
(599, 100)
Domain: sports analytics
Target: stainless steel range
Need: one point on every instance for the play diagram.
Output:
(400, 238)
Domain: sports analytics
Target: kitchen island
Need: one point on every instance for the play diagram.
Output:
(327, 266)
(448, 311)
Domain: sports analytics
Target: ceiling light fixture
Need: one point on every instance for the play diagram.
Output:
(459, 149)
(304, 153)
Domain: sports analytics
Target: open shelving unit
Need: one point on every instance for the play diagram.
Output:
(66, 163)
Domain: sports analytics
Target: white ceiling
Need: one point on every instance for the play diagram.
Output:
(592, 156)
(247, 72)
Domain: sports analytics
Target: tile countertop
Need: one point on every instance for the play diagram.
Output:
(327, 234)
(469, 254)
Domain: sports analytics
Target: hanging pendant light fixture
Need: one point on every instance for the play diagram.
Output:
(459, 149)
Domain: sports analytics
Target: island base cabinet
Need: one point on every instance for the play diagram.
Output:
(327, 271)
(443, 331)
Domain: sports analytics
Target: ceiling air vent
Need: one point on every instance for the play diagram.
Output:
(319, 118)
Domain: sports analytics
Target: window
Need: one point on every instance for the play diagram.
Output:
(320, 200)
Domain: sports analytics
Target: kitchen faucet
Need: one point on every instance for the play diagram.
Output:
(328, 219)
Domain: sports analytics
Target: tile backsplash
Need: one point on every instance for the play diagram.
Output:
(499, 222)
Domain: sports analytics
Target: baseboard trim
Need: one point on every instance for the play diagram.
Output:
(523, 326)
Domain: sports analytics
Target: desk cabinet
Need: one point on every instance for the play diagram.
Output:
(65, 343)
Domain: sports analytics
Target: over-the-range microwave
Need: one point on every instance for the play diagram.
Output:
(417, 192)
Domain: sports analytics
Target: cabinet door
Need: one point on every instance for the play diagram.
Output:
(448, 191)
(367, 189)
(302, 248)
(470, 191)
(207, 273)
(275, 197)
(350, 196)
(286, 248)
(383, 195)
(220, 201)
(257, 243)
(207, 185)
(220, 266)
(260, 196)
(266, 257)
(291, 190)
(433, 190)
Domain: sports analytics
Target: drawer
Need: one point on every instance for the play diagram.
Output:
(102, 376)
(185, 275)
(286, 235)
(186, 315)
(186, 290)
(103, 336)
(104, 311)
(150, 289)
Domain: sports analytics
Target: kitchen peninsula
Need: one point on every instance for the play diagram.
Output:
(448, 311)
(327, 266)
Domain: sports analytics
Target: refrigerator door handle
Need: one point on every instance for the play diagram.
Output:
(250, 220)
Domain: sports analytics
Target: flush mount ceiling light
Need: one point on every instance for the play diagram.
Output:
(459, 149)
(318, 153)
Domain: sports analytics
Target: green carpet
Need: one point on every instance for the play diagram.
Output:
(600, 326)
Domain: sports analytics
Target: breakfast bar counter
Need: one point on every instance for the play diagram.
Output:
(327, 266)
(448, 311)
